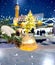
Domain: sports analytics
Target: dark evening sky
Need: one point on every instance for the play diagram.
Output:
(36, 6)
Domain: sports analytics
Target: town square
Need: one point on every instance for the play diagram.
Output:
(27, 32)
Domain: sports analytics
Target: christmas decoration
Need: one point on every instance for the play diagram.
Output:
(28, 43)
(39, 23)
(30, 22)
(10, 35)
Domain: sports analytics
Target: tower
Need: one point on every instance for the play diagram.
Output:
(15, 20)
(17, 11)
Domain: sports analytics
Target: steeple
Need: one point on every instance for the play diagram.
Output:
(17, 2)
(15, 20)
(17, 10)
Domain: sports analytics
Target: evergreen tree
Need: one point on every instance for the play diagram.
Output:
(30, 22)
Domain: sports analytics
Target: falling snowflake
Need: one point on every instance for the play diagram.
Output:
(54, 10)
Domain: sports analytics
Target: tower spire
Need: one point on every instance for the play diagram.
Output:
(15, 20)
(17, 2)
(17, 10)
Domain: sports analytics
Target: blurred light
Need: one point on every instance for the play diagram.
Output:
(25, 9)
(48, 60)
(1, 53)
(54, 10)
(9, 17)
(16, 54)
(1, 16)
(32, 64)
(19, 2)
(31, 56)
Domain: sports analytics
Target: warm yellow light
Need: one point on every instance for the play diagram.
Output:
(16, 11)
(30, 22)
(15, 22)
(28, 43)
(29, 47)
(39, 23)
(23, 24)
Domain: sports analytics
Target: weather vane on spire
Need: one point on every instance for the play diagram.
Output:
(17, 2)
